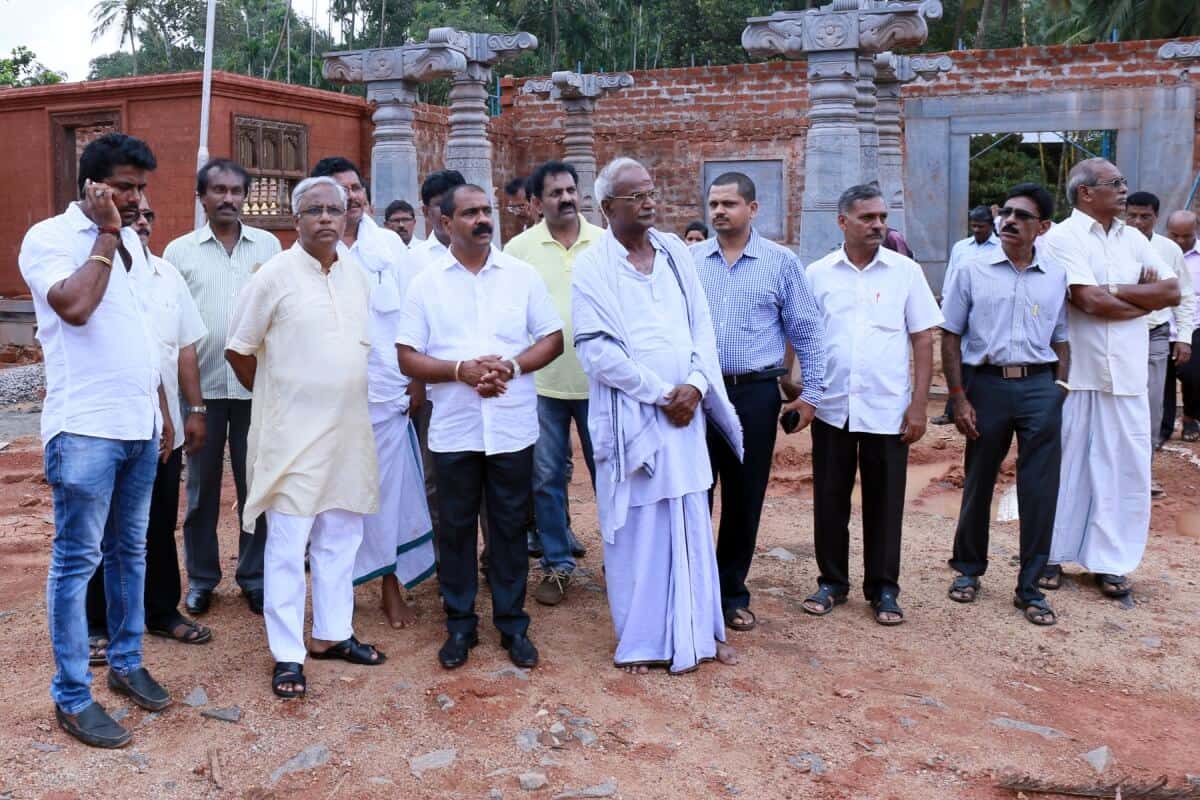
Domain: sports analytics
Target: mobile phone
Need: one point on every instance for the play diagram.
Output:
(790, 421)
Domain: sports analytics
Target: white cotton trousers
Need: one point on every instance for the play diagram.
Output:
(663, 589)
(332, 538)
(1103, 517)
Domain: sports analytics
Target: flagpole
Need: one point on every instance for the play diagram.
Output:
(205, 99)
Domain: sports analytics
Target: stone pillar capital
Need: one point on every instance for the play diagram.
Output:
(486, 49)
(1180, 50)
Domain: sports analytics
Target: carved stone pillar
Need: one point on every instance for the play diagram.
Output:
(392, 75)
(579, 93)
(468, 148)
(832, 38)
(891, 73)
(866, 103)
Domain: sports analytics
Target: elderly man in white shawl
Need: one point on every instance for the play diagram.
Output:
(644, 337)
(397, 543)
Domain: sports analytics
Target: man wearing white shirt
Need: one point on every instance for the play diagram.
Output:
(101, 422)
(981, 244)
(875, 303)
(474, 326)
(1114, 279)
(176, 326)
(397, 544)
(1170, 328)
(436, 243)
(1182, 227)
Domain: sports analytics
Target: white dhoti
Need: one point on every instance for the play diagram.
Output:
(663, 589)
(399, 538)
(334, 535)
(1103, 516)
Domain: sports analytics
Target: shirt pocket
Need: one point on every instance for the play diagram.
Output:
(887, 317)
(509, 325)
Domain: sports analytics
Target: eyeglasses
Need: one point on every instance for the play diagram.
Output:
(1020, 214)
(147, 215)
(639, 198)
(1116, 183)
(316, 212)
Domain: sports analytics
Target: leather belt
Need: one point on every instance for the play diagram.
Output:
(755, 377)
(1015, 370)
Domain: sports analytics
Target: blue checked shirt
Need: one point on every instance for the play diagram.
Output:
(759, 304)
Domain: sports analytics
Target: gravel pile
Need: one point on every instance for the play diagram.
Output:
(22, 384)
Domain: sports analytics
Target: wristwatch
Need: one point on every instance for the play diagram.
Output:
(197, 409)
(516, 367)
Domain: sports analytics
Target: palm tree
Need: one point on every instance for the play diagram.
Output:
(126, 13)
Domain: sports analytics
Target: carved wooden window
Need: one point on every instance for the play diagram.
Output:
(275, 154)
(70, 133)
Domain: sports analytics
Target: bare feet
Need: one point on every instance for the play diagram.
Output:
(636, 669)
(726, 654)
(399, 614)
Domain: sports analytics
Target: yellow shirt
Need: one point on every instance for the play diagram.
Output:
(563, 378)
(310, 447)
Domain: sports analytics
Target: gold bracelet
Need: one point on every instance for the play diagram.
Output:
(103, 260)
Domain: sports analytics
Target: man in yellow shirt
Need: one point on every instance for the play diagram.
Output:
(551, 247)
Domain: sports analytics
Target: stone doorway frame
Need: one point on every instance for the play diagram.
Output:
(1156, 134)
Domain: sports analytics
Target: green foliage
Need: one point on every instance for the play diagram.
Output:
(22, 68)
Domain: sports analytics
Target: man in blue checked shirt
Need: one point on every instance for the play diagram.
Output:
(760, 301)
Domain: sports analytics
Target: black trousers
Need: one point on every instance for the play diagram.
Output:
(161, 597)
(881, 460)
(464, 481)
(967, 369)
(1032, 409)
(743, 485)
(1189, 383)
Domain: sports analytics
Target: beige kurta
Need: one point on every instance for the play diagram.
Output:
(310, 447)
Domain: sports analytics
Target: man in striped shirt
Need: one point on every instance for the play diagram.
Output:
(760, 301)
(216, 261)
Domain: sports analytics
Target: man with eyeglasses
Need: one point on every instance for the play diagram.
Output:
(645, 340)
(216, 260)
(1115, 278)
(1006, 317)
(300, 338)
(518, 202)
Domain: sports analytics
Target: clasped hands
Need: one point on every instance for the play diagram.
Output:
(487, 375)
(681, 404)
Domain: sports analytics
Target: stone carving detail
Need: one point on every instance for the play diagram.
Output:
(831, 32)
(879, 32)
(1180, 50)
(928, 67)
(782, 33)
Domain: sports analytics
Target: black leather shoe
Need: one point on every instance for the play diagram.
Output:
(533, 544)
(140, 687)
(456, 649)
(254, 599)
(577, 548)
(198, 601)
(520, 650)
(93, 726)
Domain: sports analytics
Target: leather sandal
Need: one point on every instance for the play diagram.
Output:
(885, 603)
(288, 672)
(826, 598)
(964, 589)
(1036, 611)
(353, 651)
(741, 619)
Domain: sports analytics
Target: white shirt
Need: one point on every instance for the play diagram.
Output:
(1106, 355)
(389, 269)
(427, 252)
(455, 315)
(966, 250)
(175, 322)
(869, 315)
(1180, 317)
(102, 376)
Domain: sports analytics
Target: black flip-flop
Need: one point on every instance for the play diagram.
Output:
(202, 634)
(1191, 431)
(964, 584)
(826, 597)
(353, 651)
(734, 620)
(886, 603)
(288, 672)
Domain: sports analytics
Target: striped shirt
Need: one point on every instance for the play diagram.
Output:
(759, 304)
(215, 278)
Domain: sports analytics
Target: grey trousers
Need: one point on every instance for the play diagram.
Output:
(227, 420)
(1160, 354)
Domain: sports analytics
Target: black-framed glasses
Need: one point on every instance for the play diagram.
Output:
(1116, 183)
(1021, 214)
(316, 212)
(639, 198)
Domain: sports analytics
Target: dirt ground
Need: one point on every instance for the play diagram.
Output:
(833, 707)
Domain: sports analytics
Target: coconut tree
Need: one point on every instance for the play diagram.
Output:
(125, 14)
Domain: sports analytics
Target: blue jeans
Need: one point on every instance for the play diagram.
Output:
(101, 491)
(551, 455)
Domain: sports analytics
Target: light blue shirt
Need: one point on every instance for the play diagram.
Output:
(1007, 316)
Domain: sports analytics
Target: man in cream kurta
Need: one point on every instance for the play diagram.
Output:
(300, 335)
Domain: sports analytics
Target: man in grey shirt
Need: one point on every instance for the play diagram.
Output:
(216, 260)
(1006, 317)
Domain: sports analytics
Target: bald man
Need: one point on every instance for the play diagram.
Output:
(1182, 228)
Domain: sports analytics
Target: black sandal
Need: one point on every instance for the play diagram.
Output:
(1114, 586)
(886, 603)
(288, 672)
(352, 650)
(1036, 610)
(97, 650)
(1051, 577)
(967, 588)
(826, 597)
(735, 620)
(193, 632)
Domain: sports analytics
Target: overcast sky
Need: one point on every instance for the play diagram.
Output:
(60, 31)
